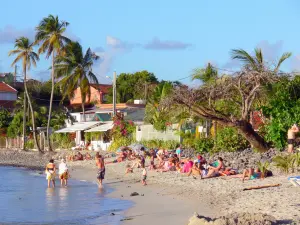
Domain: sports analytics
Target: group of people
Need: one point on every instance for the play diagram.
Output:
(63, 172)
(79, 157)
(163, 161)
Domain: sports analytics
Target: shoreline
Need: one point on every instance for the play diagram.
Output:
(153, 205)
(176, 197)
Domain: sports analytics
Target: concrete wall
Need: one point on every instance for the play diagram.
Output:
(147, 132)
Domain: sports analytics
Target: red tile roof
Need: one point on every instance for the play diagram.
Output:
(104, 88)
(6, 88)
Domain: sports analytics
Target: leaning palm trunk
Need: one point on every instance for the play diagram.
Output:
(24, 122)
(51, 102)
(32, 113)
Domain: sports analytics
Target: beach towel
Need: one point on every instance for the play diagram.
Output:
(295, 180)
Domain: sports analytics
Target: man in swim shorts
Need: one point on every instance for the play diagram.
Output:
(291, 137)
(101, 169)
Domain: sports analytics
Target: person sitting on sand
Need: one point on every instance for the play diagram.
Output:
(78, 157)
(128, 169)
(152, 166)
(88, 156)
(176, 158)
(195, 171)
(139, 162)
(214, 170)
(130, 155)
(187, 166)
(201, 160)
(50, 173)
(291, 137)
(160, 155)
(63, 173)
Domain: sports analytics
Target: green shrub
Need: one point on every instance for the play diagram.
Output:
(119, 142)
(63, 141)
(203, 145)
(285, 163)
(157, 143)
(29, 144)
(263, 167)
(229, 140)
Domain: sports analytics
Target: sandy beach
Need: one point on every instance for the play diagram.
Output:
(173, 198)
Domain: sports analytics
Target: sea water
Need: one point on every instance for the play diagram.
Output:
(25, 199)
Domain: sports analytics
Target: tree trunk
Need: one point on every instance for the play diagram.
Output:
(32, 113)
(50, 105)
(83, 112)
(248, 132)
(24, 123)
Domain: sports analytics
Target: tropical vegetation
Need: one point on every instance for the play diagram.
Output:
(223, 103)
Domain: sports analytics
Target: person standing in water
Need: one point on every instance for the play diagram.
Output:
(63, 173)
(291, 137)
(101, 169)
(50, 172)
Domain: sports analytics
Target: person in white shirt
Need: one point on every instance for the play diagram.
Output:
(63, 173)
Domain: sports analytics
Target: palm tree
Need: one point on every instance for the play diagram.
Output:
(206, 75)
(209, 75)
(24, 51)
(75, 70)
(257, 61)
(50, 34)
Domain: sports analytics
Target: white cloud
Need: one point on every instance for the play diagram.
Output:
(9, 34)
(157, 44)
(114, 47)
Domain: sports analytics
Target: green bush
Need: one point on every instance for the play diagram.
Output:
(119, 142)
(29, 144)
(202, 145)
(63, 141)
(285, 163)
(263, 167)
(229, 140)
(157, 143)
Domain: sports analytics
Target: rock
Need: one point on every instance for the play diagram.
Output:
(112, 214)
(134, 194)
(235, 219)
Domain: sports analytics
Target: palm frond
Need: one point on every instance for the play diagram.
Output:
(244, 56)
(284, 57)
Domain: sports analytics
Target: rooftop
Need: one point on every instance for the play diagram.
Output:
(7, 88)
(102, 87)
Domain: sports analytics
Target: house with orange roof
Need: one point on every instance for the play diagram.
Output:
(99, 93)
(8, 96)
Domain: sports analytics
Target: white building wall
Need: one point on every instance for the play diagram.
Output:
(7, 96)
(147, 132)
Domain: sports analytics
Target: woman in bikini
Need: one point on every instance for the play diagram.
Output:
(50, 172)
(214, 170)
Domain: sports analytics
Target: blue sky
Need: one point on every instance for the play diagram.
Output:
(167, 37)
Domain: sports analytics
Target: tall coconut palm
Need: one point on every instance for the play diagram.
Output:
(257, 61)
(75, 71)
(50, 33)
(206, 75)
(25, 53)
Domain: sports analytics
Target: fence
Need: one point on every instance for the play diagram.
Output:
(11, 142)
